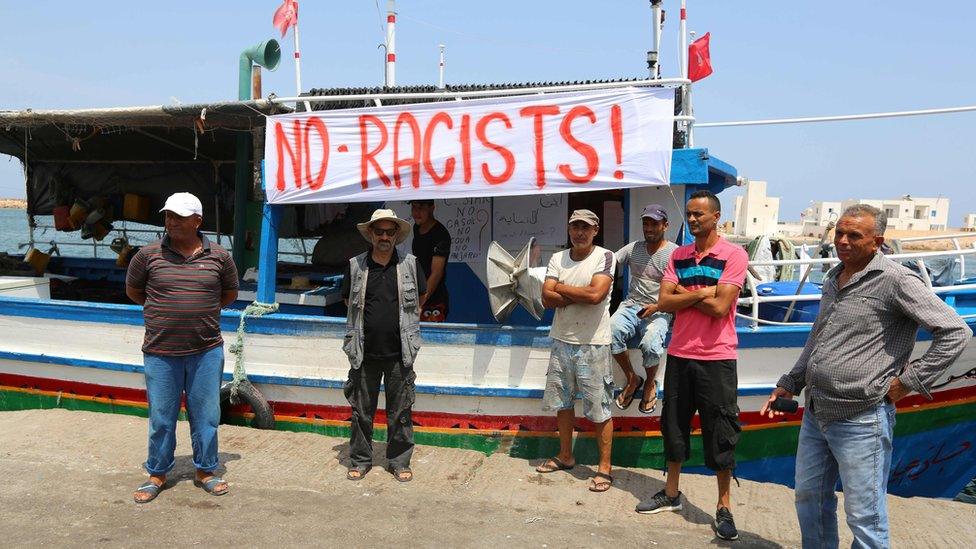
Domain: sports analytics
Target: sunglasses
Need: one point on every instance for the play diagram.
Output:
(388, 232)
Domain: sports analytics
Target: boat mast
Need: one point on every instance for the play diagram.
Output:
(391, 43)
(653, 65)
(440, 81)
(683, 69)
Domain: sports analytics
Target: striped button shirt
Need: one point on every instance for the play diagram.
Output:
(182, 310)
(864, 336)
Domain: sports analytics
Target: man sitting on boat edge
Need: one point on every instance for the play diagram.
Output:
(637, 316)
(182, 282)
(577, 285)
(855, 366)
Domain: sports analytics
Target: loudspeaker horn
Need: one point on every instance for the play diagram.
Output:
(511, 281)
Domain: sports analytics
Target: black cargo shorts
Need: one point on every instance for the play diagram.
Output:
(708, 387)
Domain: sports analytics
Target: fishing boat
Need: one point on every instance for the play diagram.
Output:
(479, 382)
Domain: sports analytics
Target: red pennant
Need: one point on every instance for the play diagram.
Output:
(699, 60)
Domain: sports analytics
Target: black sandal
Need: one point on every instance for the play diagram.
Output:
(629, 399)
(643, 408)
(559, 465)
(362, 470)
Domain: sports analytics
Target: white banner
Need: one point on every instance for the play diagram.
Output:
(554, 143)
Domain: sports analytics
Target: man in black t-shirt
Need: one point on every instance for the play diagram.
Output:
(432, 246)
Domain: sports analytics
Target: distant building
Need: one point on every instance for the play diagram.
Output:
(907, 213)
(969, 222)
(755, 213)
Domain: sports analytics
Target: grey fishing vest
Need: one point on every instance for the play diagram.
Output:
(409, 309)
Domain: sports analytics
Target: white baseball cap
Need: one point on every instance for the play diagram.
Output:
(183, 205)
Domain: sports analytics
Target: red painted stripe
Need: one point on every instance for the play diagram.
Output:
(391, 18)
(297, 55)
(682, 13)
(538, 423)
(391, 58)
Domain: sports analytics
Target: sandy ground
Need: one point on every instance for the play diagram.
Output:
(66, 479)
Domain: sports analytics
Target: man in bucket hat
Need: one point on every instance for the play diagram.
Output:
(182, 282)
(382, 291)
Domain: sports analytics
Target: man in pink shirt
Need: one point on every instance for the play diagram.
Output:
(701, 286)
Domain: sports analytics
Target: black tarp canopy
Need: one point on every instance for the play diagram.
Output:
(149, 151)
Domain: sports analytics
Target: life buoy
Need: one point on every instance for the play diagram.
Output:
(250, 395)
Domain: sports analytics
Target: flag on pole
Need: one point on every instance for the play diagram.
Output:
(699, 60)
(286, 16)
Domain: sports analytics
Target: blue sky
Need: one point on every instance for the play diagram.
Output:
(772, 59)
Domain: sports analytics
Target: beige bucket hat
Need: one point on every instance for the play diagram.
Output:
(386, 215)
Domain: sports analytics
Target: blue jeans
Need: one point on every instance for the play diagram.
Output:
(625, 326)
(167, 379)
(858, 452)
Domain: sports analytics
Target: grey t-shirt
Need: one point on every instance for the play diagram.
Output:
(646, 271)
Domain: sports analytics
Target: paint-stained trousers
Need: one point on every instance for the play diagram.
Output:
(362, 390)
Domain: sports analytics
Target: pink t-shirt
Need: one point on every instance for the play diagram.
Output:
(696, 335)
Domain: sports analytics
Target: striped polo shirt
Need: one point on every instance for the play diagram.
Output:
(696, 335)
(182, 310)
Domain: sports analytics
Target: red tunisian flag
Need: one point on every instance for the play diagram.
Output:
(699, 61)
(286, 16)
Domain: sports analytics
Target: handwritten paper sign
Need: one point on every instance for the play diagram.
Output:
(539, 144)
(517, 219)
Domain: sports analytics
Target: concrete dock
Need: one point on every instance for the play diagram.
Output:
(66, 479)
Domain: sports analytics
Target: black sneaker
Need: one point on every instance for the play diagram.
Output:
(659, 502)
(725, 525)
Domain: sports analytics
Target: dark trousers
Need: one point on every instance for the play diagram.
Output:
(362, 390)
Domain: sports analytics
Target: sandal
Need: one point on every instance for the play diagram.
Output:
(623, 402)
(357, 473)
(402, 475)
(210, 485)
(601, 485)
(649, 405)
(554, 464)
(150, 488)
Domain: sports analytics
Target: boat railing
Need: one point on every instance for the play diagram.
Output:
(755, 299)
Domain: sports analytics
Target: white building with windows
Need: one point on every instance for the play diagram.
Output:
(907, 213)
(969, 222)
(755, 213)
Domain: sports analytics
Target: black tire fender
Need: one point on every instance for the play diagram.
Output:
(250, 395)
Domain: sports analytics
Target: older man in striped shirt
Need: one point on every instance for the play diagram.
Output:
(182, 281)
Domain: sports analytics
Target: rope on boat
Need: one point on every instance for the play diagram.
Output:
(237, 348)
(240, 390)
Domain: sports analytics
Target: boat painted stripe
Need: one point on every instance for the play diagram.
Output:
(59, 395)
(446, 390)
(315, 326)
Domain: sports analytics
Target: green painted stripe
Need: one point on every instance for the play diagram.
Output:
(646, 452)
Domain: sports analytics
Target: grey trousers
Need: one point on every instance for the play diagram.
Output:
(362, 390)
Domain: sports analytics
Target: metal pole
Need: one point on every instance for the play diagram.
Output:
(688, 104)
(683, 44)
(440, 81)
(391, 43)
(298, 66)
(653, 67)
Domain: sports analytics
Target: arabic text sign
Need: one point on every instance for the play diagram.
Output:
(460, 149)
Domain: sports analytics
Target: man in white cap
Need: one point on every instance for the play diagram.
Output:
(182, 282)
(577, 285)
(382, 291)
